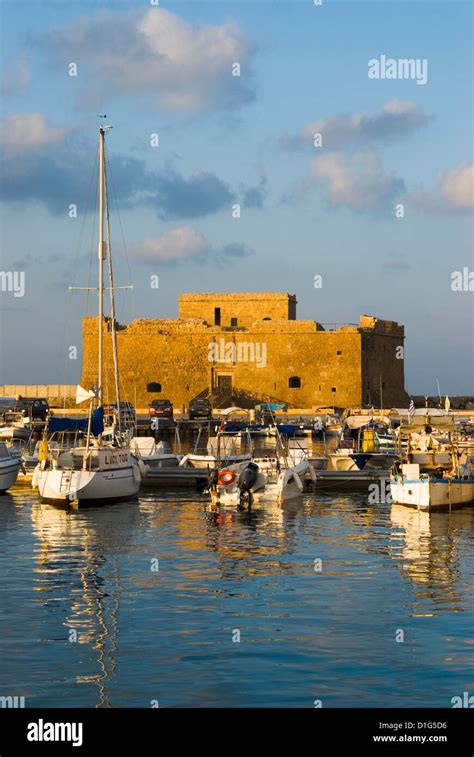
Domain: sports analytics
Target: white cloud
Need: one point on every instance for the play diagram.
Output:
(175, 246)
(396, 119)
(24, 133)
(357, 182)
(185, 245)
(154, 52)
(457, 187)
(454, 193)
(15, 77)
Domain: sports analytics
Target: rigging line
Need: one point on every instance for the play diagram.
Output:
(91, 254)
(113, 321)
(62, 342)
(115, 200)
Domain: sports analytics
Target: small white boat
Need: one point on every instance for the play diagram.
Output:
(223, 451)
(154, 454)
(15, 427)
(154, 458)
(428, 492)
(10, 463)
(251, 484)
(273, 478)
(210, 461)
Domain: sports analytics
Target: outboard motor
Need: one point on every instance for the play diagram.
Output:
(212, 479)
(246, 480)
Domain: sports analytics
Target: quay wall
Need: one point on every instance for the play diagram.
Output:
(47, 391)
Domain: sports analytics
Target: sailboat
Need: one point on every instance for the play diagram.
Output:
(101, 470)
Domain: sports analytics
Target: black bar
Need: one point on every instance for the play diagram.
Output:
(319, 731)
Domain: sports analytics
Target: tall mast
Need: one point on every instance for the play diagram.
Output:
(112, 303)
(101, 264)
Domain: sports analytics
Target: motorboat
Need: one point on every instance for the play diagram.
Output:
(222, 449)
(446, 489)
(278, 478)
(10, 463)
(363, 452)
(433, 474)
(15, 427)
(250, 484)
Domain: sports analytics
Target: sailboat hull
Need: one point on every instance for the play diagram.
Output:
(97, 487)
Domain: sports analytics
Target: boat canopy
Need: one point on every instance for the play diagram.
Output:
(78, 424)
(438, 422)
(359, 421)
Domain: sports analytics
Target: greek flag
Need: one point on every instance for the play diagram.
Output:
(411, 408)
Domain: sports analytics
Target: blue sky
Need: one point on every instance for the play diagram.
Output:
(305, 210)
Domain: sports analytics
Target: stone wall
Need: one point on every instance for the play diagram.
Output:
(382, 362)
(296, 362)
(243, 308)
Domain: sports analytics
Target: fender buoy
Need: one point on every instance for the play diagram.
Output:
(43, 450)
(226, 477)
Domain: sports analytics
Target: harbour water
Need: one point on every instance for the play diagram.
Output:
(337, 601)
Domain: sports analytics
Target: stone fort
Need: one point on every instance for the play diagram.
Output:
(249, 348)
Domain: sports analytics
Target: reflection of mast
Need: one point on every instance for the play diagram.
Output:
(94, 612)
(94, 596)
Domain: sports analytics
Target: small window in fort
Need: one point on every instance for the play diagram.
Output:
(233, 322)
(384, 347)
(339, 352)
(217, 316)
(153, 387)
(319, 388)
(266, 319)
(333, 389)
(294, 382)
(274, 385)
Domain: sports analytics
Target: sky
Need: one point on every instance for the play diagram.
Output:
(216, 105)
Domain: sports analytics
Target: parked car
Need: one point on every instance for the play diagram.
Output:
(161, 409)
(200, 408)
(127, 412)
(36, 408)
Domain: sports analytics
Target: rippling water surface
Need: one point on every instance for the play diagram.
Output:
(144, 602)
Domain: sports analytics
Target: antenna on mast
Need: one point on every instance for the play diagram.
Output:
(103, 127)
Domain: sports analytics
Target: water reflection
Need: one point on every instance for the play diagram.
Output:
(429, 553)
(76, 565)
(251, 541)
(141, 632)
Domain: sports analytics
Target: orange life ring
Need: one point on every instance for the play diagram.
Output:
(226, 477)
